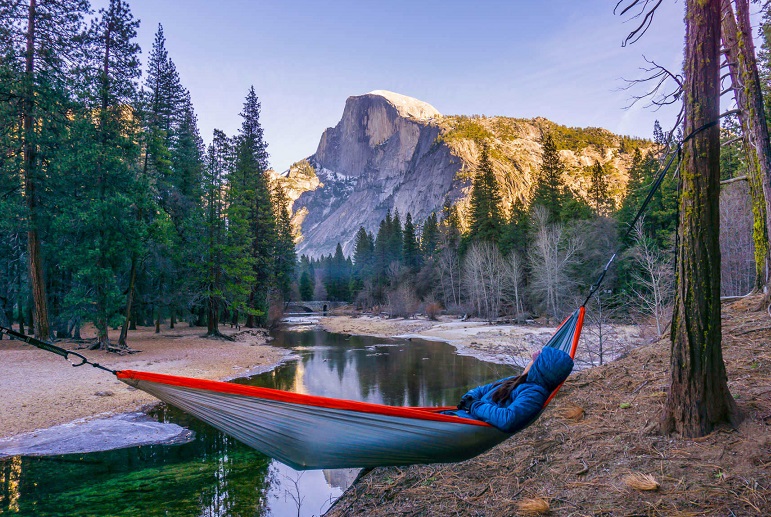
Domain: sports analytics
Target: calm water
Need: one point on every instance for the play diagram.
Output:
(215, 475)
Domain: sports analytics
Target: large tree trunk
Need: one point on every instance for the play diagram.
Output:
(20, 299)
(102, 327)
(758, 123)
(213, 328)
(250, 319)
(129, 302)
(698, 397)
(37, 282)
(741, 65)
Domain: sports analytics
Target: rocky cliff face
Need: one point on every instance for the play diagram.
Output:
(382, 155)
(392, 152)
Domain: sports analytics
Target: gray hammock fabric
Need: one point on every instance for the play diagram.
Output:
(298, 431)
(311, 432)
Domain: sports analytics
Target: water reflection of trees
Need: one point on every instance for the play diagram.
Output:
(425, 374)
(213, 476)
(394, 372)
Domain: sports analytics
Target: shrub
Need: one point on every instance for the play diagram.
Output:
(433, 309)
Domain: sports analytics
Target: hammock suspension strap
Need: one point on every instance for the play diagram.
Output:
(53, 348)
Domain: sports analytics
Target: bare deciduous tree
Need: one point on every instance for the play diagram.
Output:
(653, 276)
(601, 339)
(513, 273)
(552, 253)
(319, 291)
(449, 276)
(395, 271)
(402, 302)
(483, 274)
(737, 264)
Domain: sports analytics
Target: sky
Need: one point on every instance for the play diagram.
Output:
(559, 59)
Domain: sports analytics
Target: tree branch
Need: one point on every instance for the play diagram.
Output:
(660, 76)
(644, 12)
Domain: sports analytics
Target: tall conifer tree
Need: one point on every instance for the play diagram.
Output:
(486, 219)
(549, 186)
(251, 197)
(363, 251)
(284, 256)
(429, 238)
(599, 193)
(410, 248)
(221, 258)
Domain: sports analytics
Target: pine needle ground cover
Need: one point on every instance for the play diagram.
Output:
(597, 451)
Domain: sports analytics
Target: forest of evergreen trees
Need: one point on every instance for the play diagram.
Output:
(112, 210)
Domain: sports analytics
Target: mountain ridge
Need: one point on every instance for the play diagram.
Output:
(393, 152)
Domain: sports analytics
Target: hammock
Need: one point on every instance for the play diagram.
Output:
(311, 432)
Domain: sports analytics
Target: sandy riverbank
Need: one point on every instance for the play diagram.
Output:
(40, 389)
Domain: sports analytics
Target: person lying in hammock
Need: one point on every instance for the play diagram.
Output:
(511, 404)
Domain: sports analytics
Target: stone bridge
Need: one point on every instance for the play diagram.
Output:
(312, 307)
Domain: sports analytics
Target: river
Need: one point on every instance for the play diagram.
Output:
(213, 475)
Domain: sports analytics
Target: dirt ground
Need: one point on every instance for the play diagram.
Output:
(40, 390)
(597, 450)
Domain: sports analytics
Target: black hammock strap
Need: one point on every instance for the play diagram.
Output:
(52, 348)
(654, 187)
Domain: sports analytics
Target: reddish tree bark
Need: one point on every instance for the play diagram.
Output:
(698, 397)
(37, 281)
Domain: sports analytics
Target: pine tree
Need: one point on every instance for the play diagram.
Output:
(396, 240)
(382, 255)
(698, 398)
(363, 253)
(661, 216)
(306, 286)
(410, 248)
(363, 261)
(658, 134)
(549, 186)
(163, 96)
(599, 193)
(429, 239)
(516, 233)
(738, 45)
(486, 219)
(13, 271)
(252, 200)
(166, 109)
(338, 277)
(187, 160)
(284, 256)
(223, 264)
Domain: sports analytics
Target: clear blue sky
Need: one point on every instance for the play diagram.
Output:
(561, 59)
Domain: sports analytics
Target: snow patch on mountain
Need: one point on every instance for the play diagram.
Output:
(408, 106)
